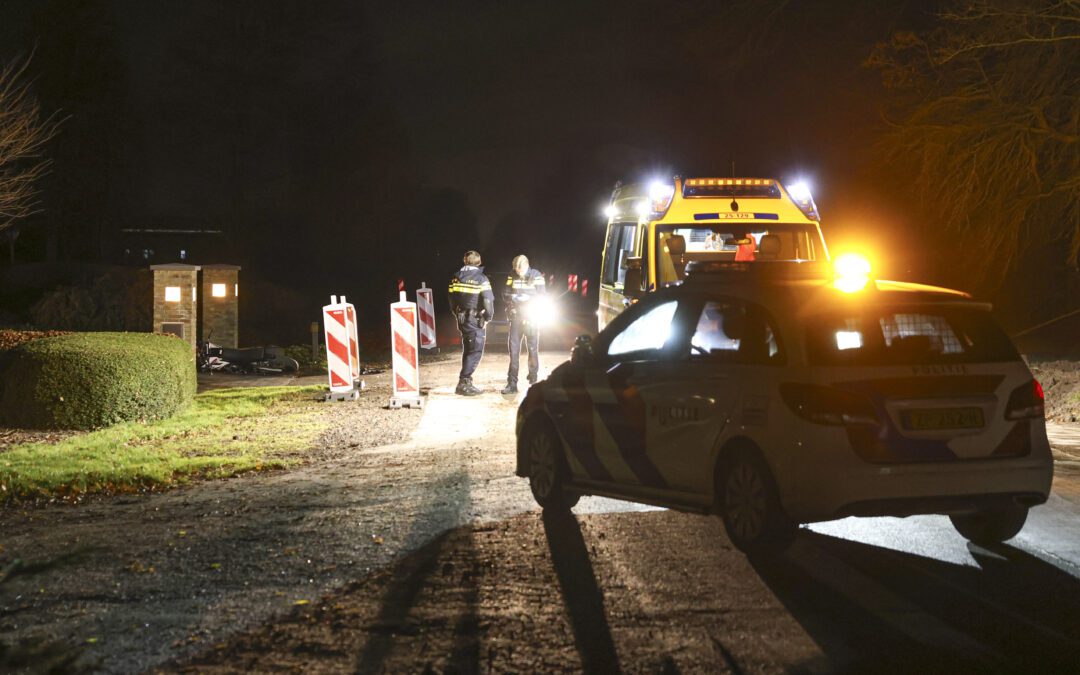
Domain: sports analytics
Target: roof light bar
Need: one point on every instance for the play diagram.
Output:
(700, 182)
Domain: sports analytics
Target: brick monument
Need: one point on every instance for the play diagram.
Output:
(176, 299)
(220, 312)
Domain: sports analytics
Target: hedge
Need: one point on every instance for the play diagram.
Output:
(90, 380)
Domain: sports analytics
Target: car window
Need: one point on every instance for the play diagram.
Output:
(729, 330)
(647, 332)
(619, 246)
(907, 336)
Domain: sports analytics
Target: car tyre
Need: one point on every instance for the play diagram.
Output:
(547, 467)
(749, 503)
(991, 527)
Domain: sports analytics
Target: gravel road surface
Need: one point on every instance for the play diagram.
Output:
(411, 547)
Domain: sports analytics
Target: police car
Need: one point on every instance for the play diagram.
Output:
(773, 394)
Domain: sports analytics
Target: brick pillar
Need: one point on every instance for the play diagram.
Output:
(220, 313)
(176, 299)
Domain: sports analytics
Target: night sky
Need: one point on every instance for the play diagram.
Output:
(328, 143)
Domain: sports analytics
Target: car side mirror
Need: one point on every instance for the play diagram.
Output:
(632, 281)
(582, 353)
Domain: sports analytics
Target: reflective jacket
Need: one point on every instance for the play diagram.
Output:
(519, 290)
(470, 292)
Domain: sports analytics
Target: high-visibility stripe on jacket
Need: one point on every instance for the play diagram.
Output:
(519, 290)
(470, 290)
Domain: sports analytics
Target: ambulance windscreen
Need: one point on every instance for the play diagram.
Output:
(679, 245)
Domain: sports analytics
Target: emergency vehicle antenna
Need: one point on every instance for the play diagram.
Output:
(734, 204)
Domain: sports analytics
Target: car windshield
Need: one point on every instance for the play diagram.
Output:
(911, 335)
(678, 245)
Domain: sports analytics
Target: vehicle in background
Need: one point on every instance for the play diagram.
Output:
(655, 230)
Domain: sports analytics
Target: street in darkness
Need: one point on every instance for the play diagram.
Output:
(428, 554)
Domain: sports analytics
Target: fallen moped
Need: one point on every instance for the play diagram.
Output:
(269, 360)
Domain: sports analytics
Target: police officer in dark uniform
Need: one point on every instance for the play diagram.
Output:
(521, 288)
(473, 305)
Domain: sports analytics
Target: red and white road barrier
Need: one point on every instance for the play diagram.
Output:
(406, 361)
(342, 350)
(584, 287)
(354, 342)
(571, 283)
(425, 306)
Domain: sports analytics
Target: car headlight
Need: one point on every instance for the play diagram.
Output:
(541, 311)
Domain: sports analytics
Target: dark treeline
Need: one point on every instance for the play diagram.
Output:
(341, 149)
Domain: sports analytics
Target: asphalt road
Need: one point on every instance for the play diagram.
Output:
(430, 554)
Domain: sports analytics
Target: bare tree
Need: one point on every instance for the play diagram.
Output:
(984, 127)
(23, 135)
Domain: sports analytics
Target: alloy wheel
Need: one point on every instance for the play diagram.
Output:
(542, 458)
(745, 501)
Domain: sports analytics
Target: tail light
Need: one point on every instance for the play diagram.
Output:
(829, 405)
(1026, 401)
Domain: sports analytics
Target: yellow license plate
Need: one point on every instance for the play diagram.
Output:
(943, 418)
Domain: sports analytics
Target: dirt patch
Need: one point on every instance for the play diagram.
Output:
(532, 594)
(367, 422)
(10, 437)
(1061, 383)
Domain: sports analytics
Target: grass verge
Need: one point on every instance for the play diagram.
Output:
(223, 433)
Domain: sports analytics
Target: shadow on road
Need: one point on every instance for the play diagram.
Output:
(580, 592)
(404, 592)
(863, 604)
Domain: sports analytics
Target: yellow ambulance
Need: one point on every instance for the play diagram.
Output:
(656, 229)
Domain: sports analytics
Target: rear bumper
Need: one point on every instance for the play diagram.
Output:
(953, 504)
(847, 486)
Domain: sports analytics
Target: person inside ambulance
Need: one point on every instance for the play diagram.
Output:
(522, 287)
(473, 305)
(676, 248)
(745, 247)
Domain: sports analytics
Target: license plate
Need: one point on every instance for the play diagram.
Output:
(943, 418)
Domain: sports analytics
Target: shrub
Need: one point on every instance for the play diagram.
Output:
(302, 355)
(10, 339)
(89, 380)
(118, 300)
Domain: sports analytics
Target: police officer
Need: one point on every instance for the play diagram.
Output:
(521, 288)
(473, 305)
